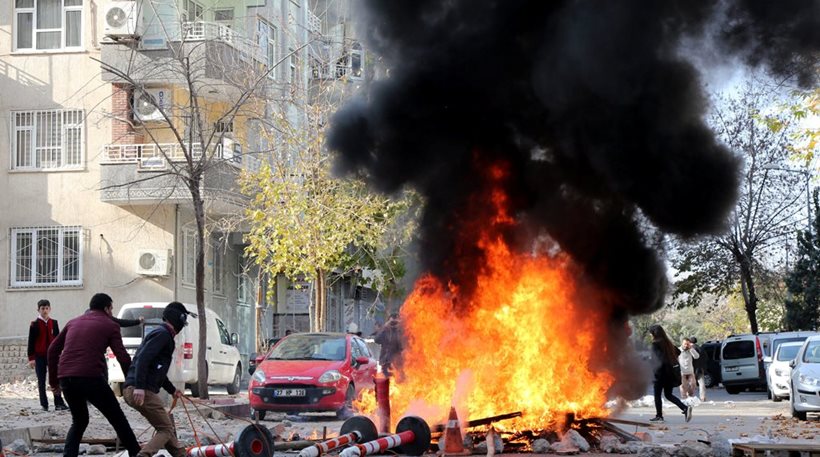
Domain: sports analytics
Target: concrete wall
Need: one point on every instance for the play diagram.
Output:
(14, 360)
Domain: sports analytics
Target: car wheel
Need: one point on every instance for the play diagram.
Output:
(708, 380)
(258, 415)
(800, 415)
(233, 387)
(347, 410)
(775, 398)
(732, 390)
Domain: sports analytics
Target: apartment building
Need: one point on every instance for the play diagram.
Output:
(91, 203)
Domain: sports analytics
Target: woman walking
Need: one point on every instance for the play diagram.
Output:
(667, 373)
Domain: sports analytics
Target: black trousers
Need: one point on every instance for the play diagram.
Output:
(79, 392)
(41, 367)
(667, 392)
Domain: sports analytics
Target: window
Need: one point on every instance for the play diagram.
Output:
(191, 11)
(224, 337)
(356, 61)
(218, 269)
(48, 24)
(224, 16)
(46, 256)
(294, 66)
(189, 244)
(266, 40)
(738, 350)
(47, 140)
(245, 287)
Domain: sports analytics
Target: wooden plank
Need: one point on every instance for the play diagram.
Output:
(755, 449)
(105, 441)
(626, 421)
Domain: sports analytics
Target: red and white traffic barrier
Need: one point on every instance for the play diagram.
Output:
(412, 435)
(357, 429)
(252, 441)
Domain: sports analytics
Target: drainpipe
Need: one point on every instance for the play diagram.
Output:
(176, 250)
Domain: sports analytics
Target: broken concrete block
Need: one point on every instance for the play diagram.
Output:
(96, 449)
(720, 445)
(541, 446)
(643, 436)
(19, 446)
(690, 448)
(653, 450)
(579, 441)
(609, 444)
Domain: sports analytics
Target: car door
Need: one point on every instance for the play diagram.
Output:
(367, 371)
(222, 354)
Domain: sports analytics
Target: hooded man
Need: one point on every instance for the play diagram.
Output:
(149, 372)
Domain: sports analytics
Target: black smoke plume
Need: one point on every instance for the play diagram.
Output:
(590, 104)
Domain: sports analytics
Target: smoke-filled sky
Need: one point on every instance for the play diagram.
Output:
(591, 105)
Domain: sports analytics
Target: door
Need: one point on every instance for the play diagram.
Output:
(363, 373)
(223, 354)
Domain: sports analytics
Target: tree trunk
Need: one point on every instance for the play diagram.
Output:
(320, 302)
(747, 287)
(199, 216)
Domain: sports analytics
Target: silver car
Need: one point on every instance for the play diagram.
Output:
(805, 379)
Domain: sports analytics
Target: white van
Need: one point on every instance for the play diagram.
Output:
(224, 362)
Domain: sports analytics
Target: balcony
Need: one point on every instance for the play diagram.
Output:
(211, 31)
(141, 174)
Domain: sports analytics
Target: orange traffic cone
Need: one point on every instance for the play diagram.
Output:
(453, 442)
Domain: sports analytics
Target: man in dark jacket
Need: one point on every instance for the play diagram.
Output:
(41, 333)
(389, 336)
(701, 365)
(76, 367)
(148, 373)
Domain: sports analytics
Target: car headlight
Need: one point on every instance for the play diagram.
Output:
(258, 376)
(330, 376)
(808, 380)
(778, 372)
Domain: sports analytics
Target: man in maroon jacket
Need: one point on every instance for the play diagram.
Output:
(76, 367)
(41, 333)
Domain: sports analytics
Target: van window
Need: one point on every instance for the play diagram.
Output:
(738, 350)
(136, 313)
(223, 332)
(812, 354)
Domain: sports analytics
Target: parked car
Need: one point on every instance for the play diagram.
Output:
(222, 356)
(712, 350)
(805, 379)
(778, 373)
(742, 363)
(312, 372)
(773, 340)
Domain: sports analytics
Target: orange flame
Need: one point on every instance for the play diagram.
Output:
(521, 341)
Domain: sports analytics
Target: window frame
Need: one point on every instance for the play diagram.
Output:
(189, 246)
(271, 52)
(64, 10)
(218, 272)
(62, 232)
(64, 114)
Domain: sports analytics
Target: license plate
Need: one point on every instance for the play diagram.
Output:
(289, 392)
(732, 368)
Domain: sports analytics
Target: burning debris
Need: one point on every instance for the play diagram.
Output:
(556, 143)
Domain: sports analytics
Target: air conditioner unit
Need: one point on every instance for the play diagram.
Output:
(121, 19)
(231, 150)
(150, 103)
(153, 262)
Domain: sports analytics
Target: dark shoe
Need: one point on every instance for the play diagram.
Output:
(688, 413)
(61, 408)
(45, 408)
(658, 419)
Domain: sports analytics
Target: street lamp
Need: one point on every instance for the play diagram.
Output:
(807, 175)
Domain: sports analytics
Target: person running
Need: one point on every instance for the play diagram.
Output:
(667, 373)
(149, 372)
(41, 333)
(77, 369)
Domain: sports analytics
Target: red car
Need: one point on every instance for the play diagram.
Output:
(311, 372)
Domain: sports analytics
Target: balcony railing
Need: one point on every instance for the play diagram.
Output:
(152, 156)
(314, 23)
(211, 31)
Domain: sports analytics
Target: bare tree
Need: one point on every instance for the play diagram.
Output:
(767, 211)
(223, 79)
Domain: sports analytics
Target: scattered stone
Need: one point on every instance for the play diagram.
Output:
(652, 450)
(19, 446)
(55, 448)
(216, 415)
(609, 444)
(541, 446)
(643, 436)
(690, 448)
(498, 444)
(720, 445)
(579, 441)
(96, 449)
(84, 448)
(287, 423)
(567, 445)
(631, 447)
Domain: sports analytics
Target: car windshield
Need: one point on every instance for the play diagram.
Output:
(812, 354)
(310, 347)
(796, 339)
(738, 350)
(787, 353)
